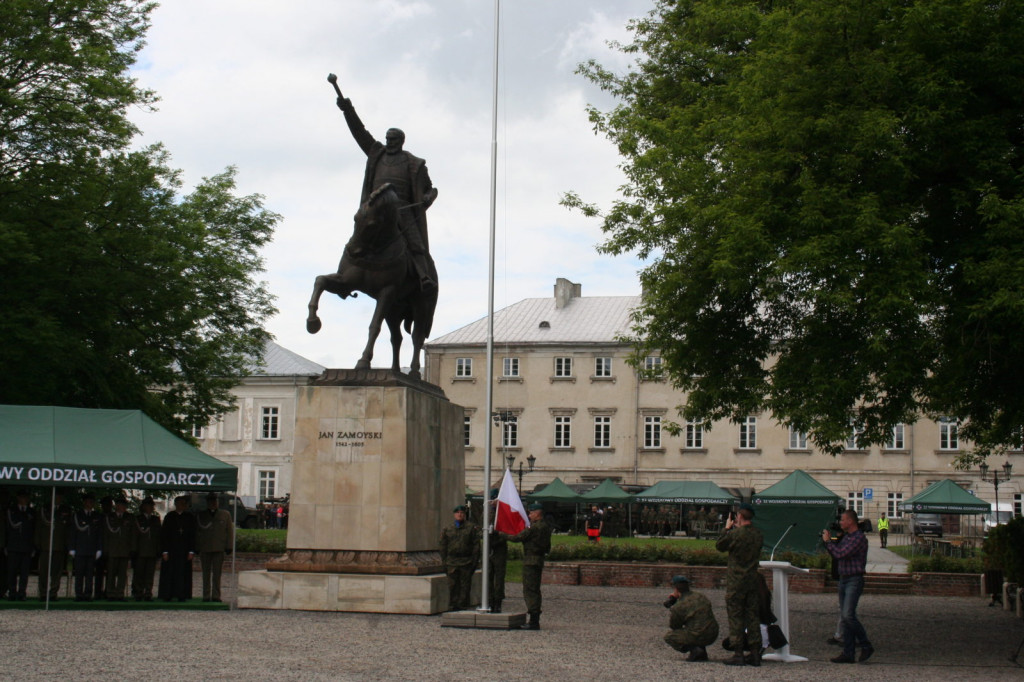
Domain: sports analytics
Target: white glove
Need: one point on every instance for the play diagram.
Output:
(99, 553)
(72, 553)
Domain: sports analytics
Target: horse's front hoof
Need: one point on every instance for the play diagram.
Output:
(414, 374)
(313, 325)
(363, 364)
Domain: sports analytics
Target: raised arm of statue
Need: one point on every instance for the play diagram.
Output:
(359, 132)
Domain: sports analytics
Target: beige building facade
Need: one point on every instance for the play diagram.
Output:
(587, 415)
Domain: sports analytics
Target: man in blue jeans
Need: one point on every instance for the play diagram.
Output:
(852, 555)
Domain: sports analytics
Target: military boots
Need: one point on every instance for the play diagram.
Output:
(534, 623)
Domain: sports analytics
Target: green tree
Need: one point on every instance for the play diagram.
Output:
(118, 291)
(829, 196)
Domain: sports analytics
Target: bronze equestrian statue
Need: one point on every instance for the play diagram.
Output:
(388, 255)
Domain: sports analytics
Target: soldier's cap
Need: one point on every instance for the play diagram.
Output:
(748, 507)
(88, 496)
(121, 500)
(459, 508)
(22, 492)
(536, 506)
(677, 579)
(211, 496)
(147, 500)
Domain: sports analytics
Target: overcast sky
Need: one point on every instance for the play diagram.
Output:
(244, 83)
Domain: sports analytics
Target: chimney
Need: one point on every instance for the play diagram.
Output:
(565, 291)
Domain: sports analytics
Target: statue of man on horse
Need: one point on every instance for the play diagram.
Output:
(388, 256)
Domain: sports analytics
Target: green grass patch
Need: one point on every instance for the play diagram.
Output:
(267, 541)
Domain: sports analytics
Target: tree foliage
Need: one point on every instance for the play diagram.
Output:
(829, 194)
(114, 283)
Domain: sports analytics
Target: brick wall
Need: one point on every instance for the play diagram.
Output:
(713, 577)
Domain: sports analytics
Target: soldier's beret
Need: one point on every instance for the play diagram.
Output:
(676, 579)
(459, 508)
(536, 506)
(147, 500)
(120, 500)
(748, 507)
(88, 496)
(494, 493)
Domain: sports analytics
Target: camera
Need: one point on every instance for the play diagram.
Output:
(670, 602)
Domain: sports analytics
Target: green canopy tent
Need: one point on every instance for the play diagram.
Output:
(84, 448)
(606, 492)
(945, 497)
(556, 491)
(795, 510)
(685, 492)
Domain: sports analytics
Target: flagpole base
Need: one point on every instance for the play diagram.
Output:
(483, 621)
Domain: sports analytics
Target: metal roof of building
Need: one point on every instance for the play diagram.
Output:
(594, 319)
(279, 361)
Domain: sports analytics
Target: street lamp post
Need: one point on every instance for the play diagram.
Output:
(511, 459)
(995, 480)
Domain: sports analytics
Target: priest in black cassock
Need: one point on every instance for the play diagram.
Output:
(178, 546)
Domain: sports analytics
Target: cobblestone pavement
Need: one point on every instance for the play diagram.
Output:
(589, 633)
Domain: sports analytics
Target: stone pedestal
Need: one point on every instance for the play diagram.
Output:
(378, 467)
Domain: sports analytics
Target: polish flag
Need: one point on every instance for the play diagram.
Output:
(510, 516)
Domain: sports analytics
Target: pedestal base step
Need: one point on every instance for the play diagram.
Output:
(487, 621)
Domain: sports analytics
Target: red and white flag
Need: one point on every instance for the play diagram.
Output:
(510, 516)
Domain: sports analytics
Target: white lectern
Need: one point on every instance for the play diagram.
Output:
(781, 570)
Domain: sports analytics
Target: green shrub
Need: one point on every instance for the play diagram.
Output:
(271, 541)
(945, 564)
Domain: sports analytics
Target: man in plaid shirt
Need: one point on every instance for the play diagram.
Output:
(852, 555)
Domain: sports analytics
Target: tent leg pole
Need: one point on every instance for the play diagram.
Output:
(49, 555)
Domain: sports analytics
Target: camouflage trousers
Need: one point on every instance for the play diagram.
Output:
(531, 587)
(460, 582)
(744, 616)
(684, 639)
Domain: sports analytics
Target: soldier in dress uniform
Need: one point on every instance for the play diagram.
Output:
(178, 547)
(85, 545)
(106, 508)
(743, 542)
(20, 545)
(536, 541)
(118, 543)
(53, 558)
(460, 552)
(147, 549)
(215, 537)
(691, 621)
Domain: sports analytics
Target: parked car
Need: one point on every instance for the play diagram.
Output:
(928, 524)
(244, 516)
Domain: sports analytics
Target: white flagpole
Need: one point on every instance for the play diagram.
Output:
(485, 574)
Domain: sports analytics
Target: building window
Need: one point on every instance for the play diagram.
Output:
(694, 435)
(463, 367)
(602, 367)
(509, 434)
(1018, 504)
(949, 434)
(748, 433)
(602, 432)
(198, 432)
(797, 439)
(892, 505)
(563, 432)
(856, 431)
(466, 422)
(510, 367)
(855, 501)
(269, 424)
(652, 366)
(268, 484)
(897, 440)
(563, 367)
(652, 432)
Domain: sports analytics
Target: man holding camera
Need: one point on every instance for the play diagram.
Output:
(692, 622)
(743, 543)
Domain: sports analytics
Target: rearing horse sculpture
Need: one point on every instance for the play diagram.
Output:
(377, 262)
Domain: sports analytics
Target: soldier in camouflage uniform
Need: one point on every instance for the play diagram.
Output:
(460, 552)
(118, 544)
(743, 542)
(692, 622)
(536, 544)
(147, 551)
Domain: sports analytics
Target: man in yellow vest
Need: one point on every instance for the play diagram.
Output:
(883, 530)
